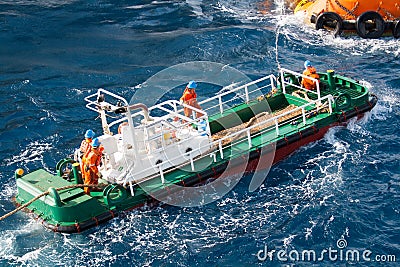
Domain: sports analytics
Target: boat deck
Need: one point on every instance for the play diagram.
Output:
(246, 122)
(343, 85)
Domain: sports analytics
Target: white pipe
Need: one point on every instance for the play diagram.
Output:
(144, 108)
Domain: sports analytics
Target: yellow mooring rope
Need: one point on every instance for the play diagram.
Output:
(45, 194)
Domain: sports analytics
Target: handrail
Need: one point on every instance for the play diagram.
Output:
(218, 97)
(237, 88)
(113, 95)
(218, 143)
(97, 94)
(90, 102)
(93, 104)
(275, 118)
(283, 70)
(220, 103)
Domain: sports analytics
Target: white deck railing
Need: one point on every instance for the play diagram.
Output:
(218, 144)
(92, 99)
(284, 82)
(244, 92)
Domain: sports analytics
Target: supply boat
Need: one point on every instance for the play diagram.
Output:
(369, 19)
(158, 149)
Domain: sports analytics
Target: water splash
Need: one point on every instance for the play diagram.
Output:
(33, 152)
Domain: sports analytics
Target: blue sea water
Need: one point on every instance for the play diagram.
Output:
(340, 193)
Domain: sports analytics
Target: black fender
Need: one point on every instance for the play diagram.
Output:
(78, 227)
(370, 30)
(330, 20)
(396, 29)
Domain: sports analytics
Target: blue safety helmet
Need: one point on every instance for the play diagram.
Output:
(192, 85)
(307, 64)
(89, 134)
(96, 142)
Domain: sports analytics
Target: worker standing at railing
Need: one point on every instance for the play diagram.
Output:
(86, 146)
(309, 71)
(189, 97)
(91, 162)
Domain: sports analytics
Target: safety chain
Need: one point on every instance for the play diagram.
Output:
(45, 194)
(349, 12)
(387, 13)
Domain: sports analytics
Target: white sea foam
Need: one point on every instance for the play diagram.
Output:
(288, 240)
(295, 29)
(78, 91)
(309, 230)
(48, 3)
(11, 249)
(32, 152)
(7, 191)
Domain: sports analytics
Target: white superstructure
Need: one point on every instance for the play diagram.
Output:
(144, 145)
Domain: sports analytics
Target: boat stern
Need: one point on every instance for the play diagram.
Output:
(62, 206)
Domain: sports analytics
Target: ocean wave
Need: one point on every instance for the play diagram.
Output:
(41, 3)
(33, 154)
(345, 185)
(294, 28)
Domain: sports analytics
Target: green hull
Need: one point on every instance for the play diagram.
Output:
(71, 210)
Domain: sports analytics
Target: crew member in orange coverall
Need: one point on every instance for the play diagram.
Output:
(91, 161)
(86, 145)
(310, 71)
(189, 97)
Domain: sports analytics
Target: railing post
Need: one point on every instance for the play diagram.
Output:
(276, 127)
(246, 90)
(271, 78)
(131, 188)
(161, 175)
(303, 111)
(221, 110)
(249, 138)
(283, 83)
(214, 156)
(191, 160)
(220, 149)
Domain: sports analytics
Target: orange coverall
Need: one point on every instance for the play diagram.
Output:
(90, 171)
(86, 146)
(189, 97)
(307, 83)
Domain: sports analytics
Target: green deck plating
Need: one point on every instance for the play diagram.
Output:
(67, 206)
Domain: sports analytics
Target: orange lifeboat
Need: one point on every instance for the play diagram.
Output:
(369, 18)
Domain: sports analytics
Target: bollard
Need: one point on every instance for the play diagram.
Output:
(331, 80)
(18, 173)
(75, 170)
(53, 192)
